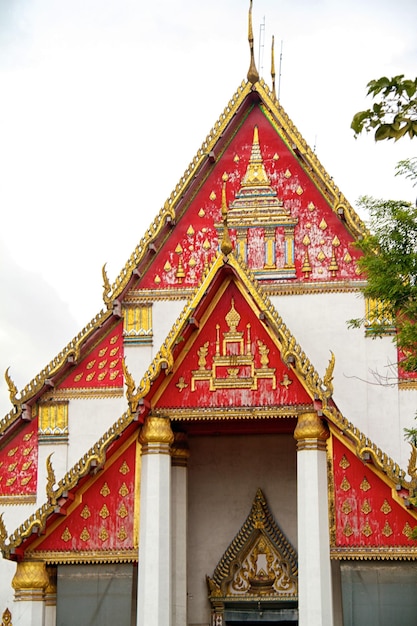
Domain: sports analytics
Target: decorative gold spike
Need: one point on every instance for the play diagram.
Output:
(328, 376)
(273, 67)
(3, 531)
(253, 75)
(6, 619)
(50, 480)
(226, 245)
(333, 267)
(11, 387)
(106, 285)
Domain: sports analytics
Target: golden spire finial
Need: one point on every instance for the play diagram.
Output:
(273, 67)
(253, 75)
(226, 245)
(255, 175)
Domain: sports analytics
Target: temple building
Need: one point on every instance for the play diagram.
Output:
(207, 451)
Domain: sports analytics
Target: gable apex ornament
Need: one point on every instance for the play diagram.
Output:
(253, 75)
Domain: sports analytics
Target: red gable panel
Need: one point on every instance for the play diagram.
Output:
(102, 367)
(231, 361)
(19, 463)
(103, 515)
(367, 514)
(320, 243)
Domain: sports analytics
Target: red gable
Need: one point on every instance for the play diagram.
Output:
(367, 511)
(232, 361)
(19, 463)
(288, 230)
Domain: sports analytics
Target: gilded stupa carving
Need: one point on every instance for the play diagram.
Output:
(257, 206)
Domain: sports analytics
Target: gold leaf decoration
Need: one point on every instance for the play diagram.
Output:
(179, 249)
(103, 534)
(26, 465)
(90, 365)
(276, 157)
(90, 376)
(367, 530)
(13, 451)
(212, 196)
(336, 241)
(321, 256)
(105, 491)
(299, 191)
(66, 535)
(306, 240)
(347, 531)
(365, 486)
(85, 513)
(122, 534)
(124, 468)
(102, 352)
(344, 463)
(167, 267)
(345, 485)
(157, 279)
(287, 174)
(347, 258)
(201, 213)
(407, 530)
(311, 206)
(114, 351)
(387, 530)
(84, 535)
(190, 231)
(206, 245)
(366, 507)
(122, 512)
(346, 508)
(236, 158)
(25, 481)
(10, 481)
(28, 436)
(123, 491)
(12, 466)
(104, 512)
(323, 224)
(114, 339)
(386, 508)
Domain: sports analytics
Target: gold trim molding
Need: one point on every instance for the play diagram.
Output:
(88, 556)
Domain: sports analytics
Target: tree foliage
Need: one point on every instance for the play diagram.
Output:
(389, 262)
(394, 112)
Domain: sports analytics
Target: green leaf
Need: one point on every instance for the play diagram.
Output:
(384, 131)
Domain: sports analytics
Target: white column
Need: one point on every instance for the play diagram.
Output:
(179, 455)
(29, 583)
(154, 575)
(315, 602)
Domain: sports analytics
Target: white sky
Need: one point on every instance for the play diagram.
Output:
(104, 103)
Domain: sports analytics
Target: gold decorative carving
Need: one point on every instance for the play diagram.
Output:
(407, 531)
(66, 535)
(123, 491)
(259, 563)
(386, 508)
(3, 531)
(53, 419)
(387, 530)
(122, 534)
(181, 384)
(84, 535)
(50, 480)
(367, 530)
(30, 580)
(311, 431)
(233, 363)
(253, 75)
(365, 486)
(366, 507)
(104, 512)
(226, 245)
(105, 490)
(346, 507)
(156, 431)
(103, 534)
(85, 513)
(6, 618)
(122, 511)
(11, 387)
(345, 484)
(344, 463)
(347, 531)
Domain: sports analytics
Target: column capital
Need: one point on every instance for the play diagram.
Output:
(311, 432)
(180, 451)
(30, 580)
(156, 435)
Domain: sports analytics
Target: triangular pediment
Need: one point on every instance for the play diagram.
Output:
(259, 563)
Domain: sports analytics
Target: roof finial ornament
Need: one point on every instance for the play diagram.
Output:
(274, 93)
(226, 245)
(253, 75)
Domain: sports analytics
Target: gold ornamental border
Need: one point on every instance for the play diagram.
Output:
(85, 556)
(244, 413)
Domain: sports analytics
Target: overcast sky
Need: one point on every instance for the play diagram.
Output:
(104, 104)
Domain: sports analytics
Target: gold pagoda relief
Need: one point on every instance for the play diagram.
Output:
(257, 211)
(233, 361)
(259, 565)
